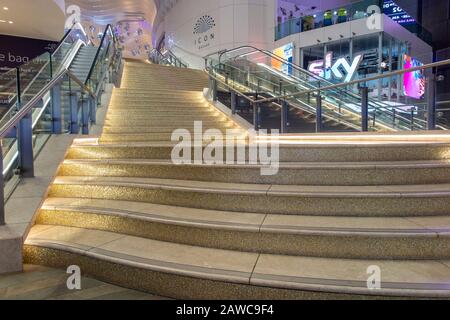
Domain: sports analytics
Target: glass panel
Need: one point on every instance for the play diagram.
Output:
(34, 76)
(105, 54)
(260, 72)
(8, 93)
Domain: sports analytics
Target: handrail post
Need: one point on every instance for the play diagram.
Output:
(233, 102)
(284, 116)
(51, 65)
(431, 106)
(18, 88)
(74, 126)
(364, 109)
(25, 146)
(319, 113)
(85, 114)
(256, 115)
(2, 190)
(93, 109)
(214, 89)
(56, 109)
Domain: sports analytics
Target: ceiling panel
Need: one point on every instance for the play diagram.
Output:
(131, 19)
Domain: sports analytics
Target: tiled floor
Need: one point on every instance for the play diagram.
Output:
(41, 283)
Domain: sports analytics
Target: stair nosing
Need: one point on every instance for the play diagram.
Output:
(341, 286)
(260, 189)
(254, 228)
(426, 164)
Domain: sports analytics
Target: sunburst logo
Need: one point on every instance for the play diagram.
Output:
(204, 24)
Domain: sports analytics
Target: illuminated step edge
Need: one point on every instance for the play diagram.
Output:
(180, 271)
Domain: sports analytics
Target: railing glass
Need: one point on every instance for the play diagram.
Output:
(51, 95)
(105, 53)
(166, 58)
(248, 69)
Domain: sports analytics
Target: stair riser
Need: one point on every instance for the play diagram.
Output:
(132, 101)
(331, 246)
(178, 286)
(307, 176)
(158, 117)
(181, 85)
(142, 131)
(306, 154)
(123, 138)
(175, 124)
(358, 206)
(148, 106)
(161, 112)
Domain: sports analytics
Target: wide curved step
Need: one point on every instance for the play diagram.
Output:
(181, 271)
(376, 201)
(338, 237)
(295, 173)
(307, 152)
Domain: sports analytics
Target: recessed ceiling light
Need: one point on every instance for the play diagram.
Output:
(10, 22)
(2, 21)
(5, 8)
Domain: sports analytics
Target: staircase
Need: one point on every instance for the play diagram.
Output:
(125, 214)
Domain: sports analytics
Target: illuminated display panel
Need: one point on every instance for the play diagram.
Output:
(285, 52)
(396, 13)
(413, 82)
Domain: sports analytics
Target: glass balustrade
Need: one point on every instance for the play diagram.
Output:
(254, 71)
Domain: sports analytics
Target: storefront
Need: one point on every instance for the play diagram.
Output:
(349, 50)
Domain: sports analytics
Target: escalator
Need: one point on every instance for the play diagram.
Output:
(88, 66)
(251, 70)
(83, 62)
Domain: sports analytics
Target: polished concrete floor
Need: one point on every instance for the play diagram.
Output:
(41, 283)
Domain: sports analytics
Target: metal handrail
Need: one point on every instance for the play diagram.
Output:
(299, 69)
(274, 56)
(91, 70)
(163, 58)
(63, 39)
(28, 107)
(293, 65)
(339, 86)
(358, 81)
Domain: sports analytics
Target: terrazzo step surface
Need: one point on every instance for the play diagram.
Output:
(376, 201)
(340, 237)
(340, 206)
(182, 271)
(301, 152)
(289, 173)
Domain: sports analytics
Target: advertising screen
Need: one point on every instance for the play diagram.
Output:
(285, 52)
(396, 13)
(413, 82)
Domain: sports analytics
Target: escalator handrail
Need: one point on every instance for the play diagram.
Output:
(97, 54)
(295, 66)
(357, 81)
(268, 100)
(274, 56)
(339, 87)
(171, 54)
(28, 107)
(62, 41)
(278, 58)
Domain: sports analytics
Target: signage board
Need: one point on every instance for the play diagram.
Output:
(285, 52)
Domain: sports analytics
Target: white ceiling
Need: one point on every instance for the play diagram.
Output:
(113, 11)
(45, 19)
(31, 19)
